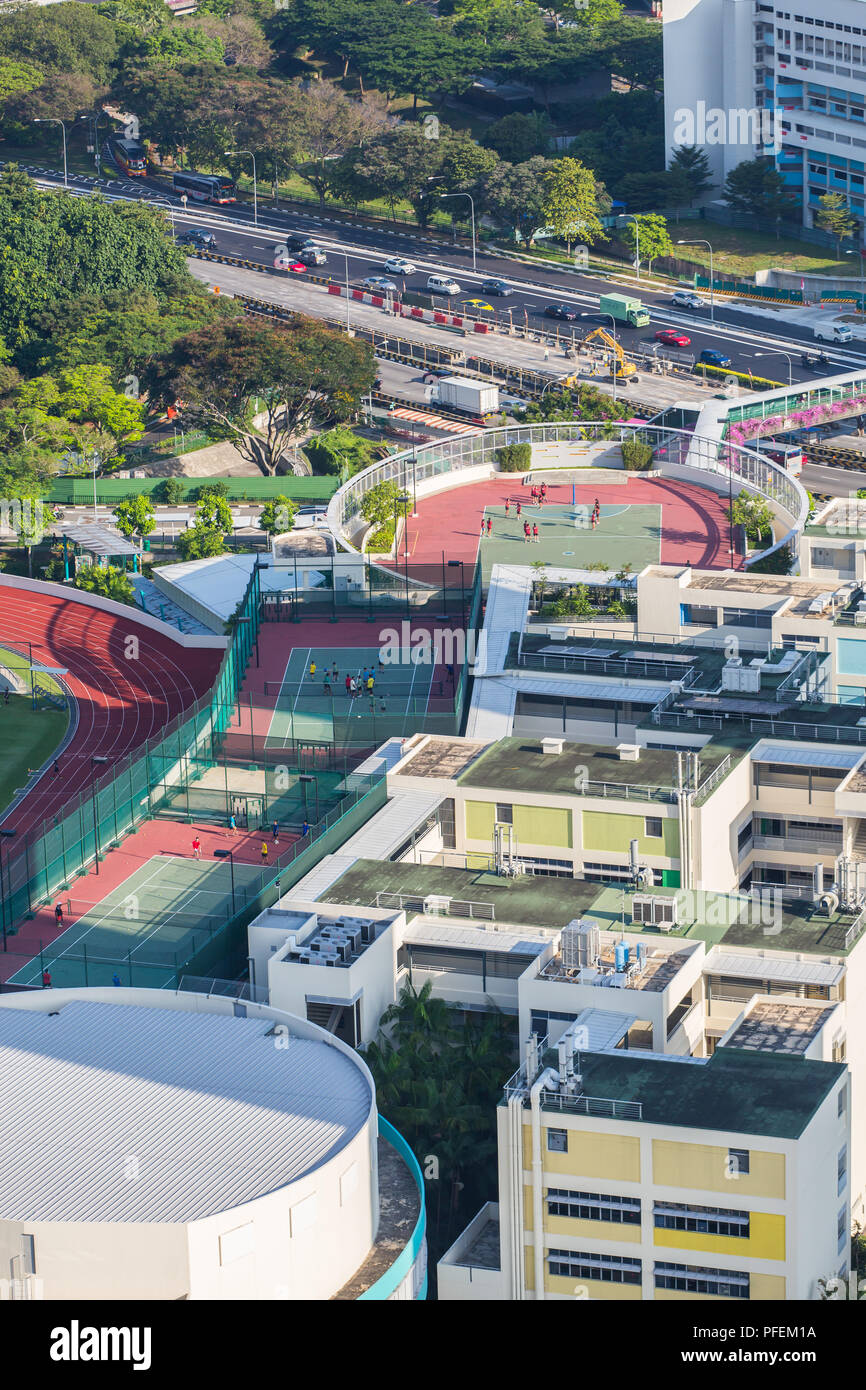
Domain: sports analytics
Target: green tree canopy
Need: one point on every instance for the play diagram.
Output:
(278, 516)
(289, 376)
(754, 187)
(135, 516)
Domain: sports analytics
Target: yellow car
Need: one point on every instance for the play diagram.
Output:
(476, 304)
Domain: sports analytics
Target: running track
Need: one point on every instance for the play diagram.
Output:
(121, 702)
(694, 525)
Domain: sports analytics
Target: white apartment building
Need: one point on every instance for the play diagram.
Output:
(737, 57)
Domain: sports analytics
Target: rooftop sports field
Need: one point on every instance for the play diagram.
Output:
(625, 534)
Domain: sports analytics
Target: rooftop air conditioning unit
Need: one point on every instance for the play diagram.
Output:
(655, 911)
(437, 904)
(552, 745)
(628, 752)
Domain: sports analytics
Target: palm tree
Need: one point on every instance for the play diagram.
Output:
(540, 567)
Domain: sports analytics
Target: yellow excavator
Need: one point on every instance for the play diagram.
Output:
(621, 366)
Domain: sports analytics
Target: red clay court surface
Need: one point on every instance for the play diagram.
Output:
(152, 838)
(694, 526)
(121, 702)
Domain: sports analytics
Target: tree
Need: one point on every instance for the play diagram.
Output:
(55, 247)
(652, 238)
(381, 502)
(186, 43)
(278, 516)
(648, 192)
(835, 217)
(694, 164)
(260, 384)
(755, 188)
(16, 79)
(135, 516)
(206, 538)
(61, 38)
(571, 202)
(399, 164)
(588, 14)
(518, 194)
(241, 38)
(75, 410)
(328, 125)
(170, 490)
(106, 580)
(752, 513)
(519, 136)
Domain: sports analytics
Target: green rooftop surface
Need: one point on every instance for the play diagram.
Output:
(746, 1092)
(517, 764)
(554, 902)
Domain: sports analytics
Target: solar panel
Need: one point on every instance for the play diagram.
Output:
(715, 704)
(666, 657)
(556, 649)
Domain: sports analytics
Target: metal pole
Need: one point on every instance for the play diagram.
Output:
(3, 899)
(348, 296)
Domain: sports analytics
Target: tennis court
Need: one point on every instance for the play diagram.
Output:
(625, 534)
(146, 927)
(318, 707)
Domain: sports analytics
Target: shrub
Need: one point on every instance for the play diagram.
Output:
(514, 458)
(217, 488)
(636, 455)
(777, 563)
(170, 491)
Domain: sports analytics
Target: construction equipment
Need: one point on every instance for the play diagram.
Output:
(620, 366)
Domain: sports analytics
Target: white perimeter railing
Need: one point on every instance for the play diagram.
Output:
(738, 466)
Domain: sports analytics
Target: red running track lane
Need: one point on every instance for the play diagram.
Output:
(694, 525)
(121, 701)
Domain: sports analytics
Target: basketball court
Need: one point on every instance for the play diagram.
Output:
(626, 534)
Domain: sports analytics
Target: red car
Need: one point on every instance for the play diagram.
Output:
(673, 337)
(297, 267)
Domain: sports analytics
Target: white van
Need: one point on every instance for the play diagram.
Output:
(442, 284)
(834, 332)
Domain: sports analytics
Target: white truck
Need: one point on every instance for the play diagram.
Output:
(464, 394)
(833, 332)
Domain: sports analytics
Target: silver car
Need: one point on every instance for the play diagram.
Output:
(379, 284)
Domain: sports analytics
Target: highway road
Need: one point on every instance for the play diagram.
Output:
(355, 251)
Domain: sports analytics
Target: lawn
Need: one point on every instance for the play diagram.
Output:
(27, 738)
(738, 251)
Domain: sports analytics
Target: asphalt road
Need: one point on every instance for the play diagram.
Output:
(356, 251)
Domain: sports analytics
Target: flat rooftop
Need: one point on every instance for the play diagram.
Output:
(659, 967)
(783, 1026)
(440, 757)
(551, 903)
(517, 764)
(741, 1091)
(773, 586)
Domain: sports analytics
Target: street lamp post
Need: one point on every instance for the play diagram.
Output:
(629, 217)
(94, 117)
(699, 241)
(163, 203)
(95, 761)
(255, 184)
(777, 353)
(55, 120)
(613, 335)
(5, 834)
(472, 214)
(348, 295)
(859, 254)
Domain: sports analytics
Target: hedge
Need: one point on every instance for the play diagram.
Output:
(758, 383)
(636, 455)
(514, 458)
(79, 491)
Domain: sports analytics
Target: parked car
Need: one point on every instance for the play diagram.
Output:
(687, 299)
(398, 266)
(312, 255)
(379, 284)
(561, 311)
(314, 515)
(205, 240)
(673, 337)
(496, 287)
(713, 358)
(442, 284)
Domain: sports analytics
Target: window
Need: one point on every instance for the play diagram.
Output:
(557, 1141)
(652, 827)
(746, 617)
(842, 1169)
(738, 1161)
(593, 1206)
(744, 836)
(712, 1221)
(577, 1264)
(842, 1102)
(701, 615)
(505, 814)
(720, 1283)
(842, 1230)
